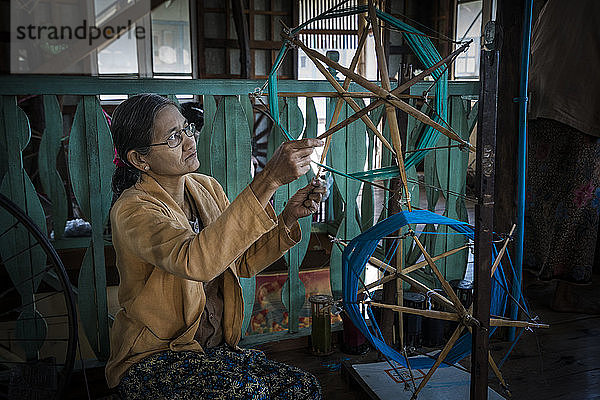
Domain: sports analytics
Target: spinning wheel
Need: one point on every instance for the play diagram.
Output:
(361, 249)
(37, 311)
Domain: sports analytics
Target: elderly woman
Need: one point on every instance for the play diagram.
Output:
(181, 248)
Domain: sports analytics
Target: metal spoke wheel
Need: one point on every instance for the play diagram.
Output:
(38, 320)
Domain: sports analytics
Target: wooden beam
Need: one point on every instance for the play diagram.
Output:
(484, 216)
(516, 324)
(510, 18)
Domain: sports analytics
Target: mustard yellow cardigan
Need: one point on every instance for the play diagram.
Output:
(162, 264)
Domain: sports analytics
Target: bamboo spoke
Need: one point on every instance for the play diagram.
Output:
(356, 95)
(373, 105)
(339, 102)
(421, 264)
(375, 261)
(447, 316)
(361, 42)
(396, 92)
(381, 281)
(413, 282)
(502, 251)
(412, 376)
(410, 110)
(349, 100)
(441, 357)
(497, 371)
(445, 285)
(417, 78)
(423, 288)
(384, 94)
(516, 324)
(403, 275)
(390, 111)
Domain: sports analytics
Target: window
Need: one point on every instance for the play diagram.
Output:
(468, 26)
(219, 50)
(338, 34)
(337, 38)
(120, 56)
(164, 52)
(171, 49)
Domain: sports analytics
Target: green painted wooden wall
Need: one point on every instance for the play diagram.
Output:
(226, 137)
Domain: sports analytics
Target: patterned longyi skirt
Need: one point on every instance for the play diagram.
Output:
(563, 202)
(220, 374)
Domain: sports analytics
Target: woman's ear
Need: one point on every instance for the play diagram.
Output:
(137, 160)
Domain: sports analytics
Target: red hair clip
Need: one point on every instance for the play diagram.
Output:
(117, 161)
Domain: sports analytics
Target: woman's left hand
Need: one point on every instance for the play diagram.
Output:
(304, 202)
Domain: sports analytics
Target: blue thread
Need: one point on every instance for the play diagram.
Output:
(354, 260)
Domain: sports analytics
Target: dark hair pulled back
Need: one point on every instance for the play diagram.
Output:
(132, 128)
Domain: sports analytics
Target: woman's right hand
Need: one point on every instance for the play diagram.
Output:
(290, 161)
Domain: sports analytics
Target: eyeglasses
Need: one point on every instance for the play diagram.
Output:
(176, 138)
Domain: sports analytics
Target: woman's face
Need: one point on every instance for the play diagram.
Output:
(176, 161)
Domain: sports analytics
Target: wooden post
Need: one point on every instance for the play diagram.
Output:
(403, 77)
(510, 18)
(390, 288)
(484, 211)
(400, 292)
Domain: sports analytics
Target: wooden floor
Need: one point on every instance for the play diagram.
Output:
(562, 362)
